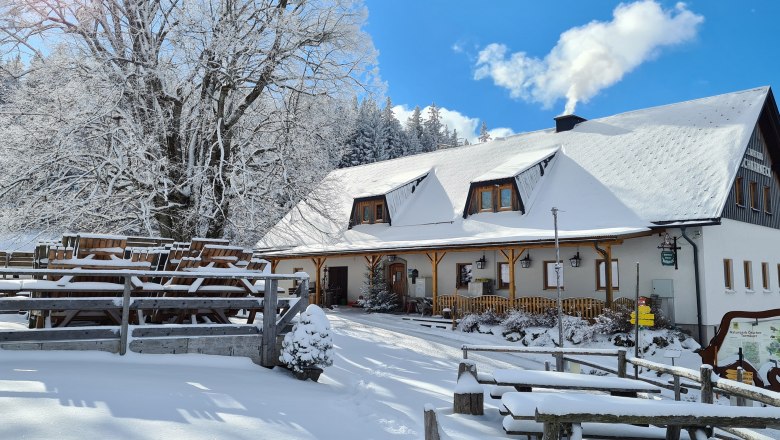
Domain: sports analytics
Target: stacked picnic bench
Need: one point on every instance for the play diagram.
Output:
(556, 404)
(111, 253)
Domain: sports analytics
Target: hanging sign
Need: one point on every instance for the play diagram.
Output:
(667, 258)
(646, 318)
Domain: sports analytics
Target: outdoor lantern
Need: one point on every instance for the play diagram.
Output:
(575, 260)
(391, 258)
(525, 263)
(481, 262)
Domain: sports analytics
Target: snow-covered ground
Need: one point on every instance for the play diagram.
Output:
(386, 369)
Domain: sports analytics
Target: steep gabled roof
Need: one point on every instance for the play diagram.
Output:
(614, 175)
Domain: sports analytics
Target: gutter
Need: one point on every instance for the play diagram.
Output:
(698, 286)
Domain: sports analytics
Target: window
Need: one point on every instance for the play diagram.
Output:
(601, 275)
(765, 275)
(754, 195)
(728, 274)
(739, 195)
(464, 275)
(485, 200)
(493, 197)
(747, 267)
(505, 198)
(503, 275)
(370, 211)
(767, 200)
(549, 275)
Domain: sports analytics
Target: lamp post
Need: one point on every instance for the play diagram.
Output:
(558, 273)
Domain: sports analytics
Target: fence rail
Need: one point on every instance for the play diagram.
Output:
(588, 308)
(223, 338)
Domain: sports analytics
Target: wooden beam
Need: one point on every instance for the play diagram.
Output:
(608, 276)
(318, 263)
(435, 258)
(274, 263)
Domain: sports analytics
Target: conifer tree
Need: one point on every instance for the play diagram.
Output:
(432, 129)
(414, 131)
(392, 140)
(377, 294)
(484, 136)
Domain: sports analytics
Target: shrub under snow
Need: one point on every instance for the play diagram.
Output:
(309, 344)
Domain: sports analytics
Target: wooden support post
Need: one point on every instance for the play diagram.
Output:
(740, 378)
(608, 276)
(269, 355)
(318, 263)
(469, 396)
(125, 325)
(552, 431)
(677, 388)
(431, 424)
(621, 359)
(673, 432)
(274, 265)
(512, 255)
(706, 384)
(435, 258)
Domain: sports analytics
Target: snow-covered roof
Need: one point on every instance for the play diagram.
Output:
(611, 176)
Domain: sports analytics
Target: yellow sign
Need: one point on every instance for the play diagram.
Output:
(646, 318)
(747, 376)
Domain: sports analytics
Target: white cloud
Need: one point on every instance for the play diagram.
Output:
(589, 58)
(467, 127)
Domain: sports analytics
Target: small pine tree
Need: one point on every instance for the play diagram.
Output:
(484, 136)
(378, 297)
(309, 344)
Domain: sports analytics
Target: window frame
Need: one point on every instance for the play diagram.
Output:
(370, 207)
(489, 192)
(548, 266)
(747, 272)
(601, 283)
(501, 285)
(753, 192)
(767, 200)
(765, 275)
(739, 192)
(499, 188)
(728, 273)
(459, 280)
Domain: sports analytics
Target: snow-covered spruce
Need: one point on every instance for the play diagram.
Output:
(378, 297)
(309, 344)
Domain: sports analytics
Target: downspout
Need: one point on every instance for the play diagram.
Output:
(698, 286)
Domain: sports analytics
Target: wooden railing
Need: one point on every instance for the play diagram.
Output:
(588, 308)
(221, 338)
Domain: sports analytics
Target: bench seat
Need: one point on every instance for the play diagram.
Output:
(589, 430)
(527, 379)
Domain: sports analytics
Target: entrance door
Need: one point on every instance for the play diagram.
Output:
(398, 279)
(336, 292)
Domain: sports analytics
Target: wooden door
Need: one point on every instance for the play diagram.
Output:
(336, 293)
(397, 279)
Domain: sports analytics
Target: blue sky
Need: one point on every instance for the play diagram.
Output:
(430, 50)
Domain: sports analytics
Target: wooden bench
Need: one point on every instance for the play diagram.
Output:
(526, 380)
(561, 413)
(535, 429)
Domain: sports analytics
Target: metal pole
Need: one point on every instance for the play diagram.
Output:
(636, 321)
(558, 274)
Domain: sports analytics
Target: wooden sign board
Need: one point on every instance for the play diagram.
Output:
(747, 376)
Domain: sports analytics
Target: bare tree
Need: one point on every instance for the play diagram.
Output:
(178, 117)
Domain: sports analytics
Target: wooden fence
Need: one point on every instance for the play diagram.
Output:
(588, 308)
(260, 344)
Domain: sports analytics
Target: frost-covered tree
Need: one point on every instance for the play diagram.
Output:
(394, 143)
(175, 118)
(432, 129)
(310, 343)
(414, 131)
(363, 145)
(377, 295)
(484, 136)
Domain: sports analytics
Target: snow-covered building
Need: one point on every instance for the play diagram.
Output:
(476, 220)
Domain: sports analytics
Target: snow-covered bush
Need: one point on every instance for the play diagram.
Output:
(614, 320)
(377, 294)
(519, 320)
(489, 317)
(469, 323)
(577, 330)
(309, 344)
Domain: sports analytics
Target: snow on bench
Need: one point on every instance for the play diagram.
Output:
(561, 410)
(527, 379)
(590, 430)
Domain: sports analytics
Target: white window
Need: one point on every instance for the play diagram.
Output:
(549, 275)
(601, 278)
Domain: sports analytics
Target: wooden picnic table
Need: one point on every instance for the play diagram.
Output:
(568, 412)
(526, 380)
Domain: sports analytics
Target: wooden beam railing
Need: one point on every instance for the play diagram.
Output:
(273, 325)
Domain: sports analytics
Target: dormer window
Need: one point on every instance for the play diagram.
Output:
(369, 211)
(494, 197)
